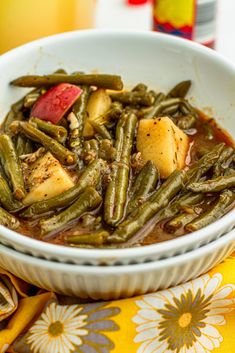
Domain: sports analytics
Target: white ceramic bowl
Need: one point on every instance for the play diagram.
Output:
(158, 60)
(113, 282)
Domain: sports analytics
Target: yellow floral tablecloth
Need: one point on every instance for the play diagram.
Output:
(196, 317)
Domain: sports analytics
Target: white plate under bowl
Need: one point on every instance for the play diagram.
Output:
(158, 60)
(113, 282)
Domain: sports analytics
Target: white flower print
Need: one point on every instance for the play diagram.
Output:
(58, 330)
(61, 328)
(184, 319)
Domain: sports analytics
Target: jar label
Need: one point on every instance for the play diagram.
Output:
(190, 19)
(205, 22)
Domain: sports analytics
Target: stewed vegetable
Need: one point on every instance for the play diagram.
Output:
(82, 165)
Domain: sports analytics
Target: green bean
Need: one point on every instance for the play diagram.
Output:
(214, 213)
(225, 155)
(171, 110)
(138, 218)
(190, 199)
(90, 150)
(186, 122)
(179, 221)
(100, 129)
(23, 145)
(59, 151)
(229, 162)
(61, 71)
(180, 90)
(12, 166)
(20, 144)
(59, 133)
(187, 109)
(116, 192)
(90, 220)
(133, 98)
(8, 220)
(79, 114)
(6, 198)
(94, 238)
(173, 209)
(150, 172)
(213, 185)
(145, 183)
(92, 144)
(151, 114)
(90, 177)
(17, 107)
(142, 112)
(29, 148)
(154, 94)
(159, 97)
(113, 113)
(87, 201)
(32, 97)
(169, 102)
(107, 151)
(204, 164)
(140, 87)
(113, 82)
(10, 118)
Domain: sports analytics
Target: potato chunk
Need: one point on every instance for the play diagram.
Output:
(47, 178)
(99, 102)
(162, 142)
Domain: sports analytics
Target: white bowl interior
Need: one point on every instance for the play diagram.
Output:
(158, 60)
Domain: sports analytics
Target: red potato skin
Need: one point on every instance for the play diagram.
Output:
(55, 103)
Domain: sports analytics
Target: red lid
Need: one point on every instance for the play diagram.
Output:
(136, 2)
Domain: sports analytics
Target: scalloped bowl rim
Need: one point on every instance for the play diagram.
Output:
(122, 269)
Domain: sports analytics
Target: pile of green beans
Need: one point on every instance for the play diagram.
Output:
(113, 200)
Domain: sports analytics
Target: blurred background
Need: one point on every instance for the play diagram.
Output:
(210, 22)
